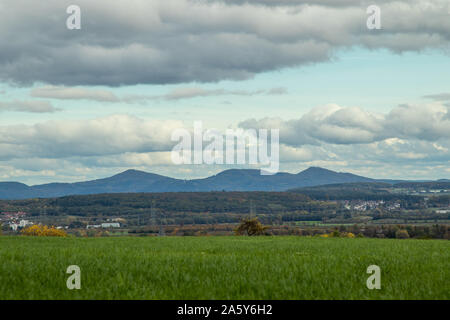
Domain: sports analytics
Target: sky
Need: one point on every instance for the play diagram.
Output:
(89, 103)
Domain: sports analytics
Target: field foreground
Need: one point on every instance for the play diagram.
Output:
(223, 268)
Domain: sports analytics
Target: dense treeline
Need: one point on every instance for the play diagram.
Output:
(370, 231)
(424, 185)
(273, 208)
(374, 191)
(439, 201)
(136, 203)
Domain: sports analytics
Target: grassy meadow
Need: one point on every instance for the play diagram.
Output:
(223, 268)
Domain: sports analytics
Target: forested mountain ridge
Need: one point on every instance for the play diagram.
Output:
(134, 181)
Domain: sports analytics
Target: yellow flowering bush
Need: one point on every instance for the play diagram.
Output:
(337, 234)
(350, 235)
(43, 231)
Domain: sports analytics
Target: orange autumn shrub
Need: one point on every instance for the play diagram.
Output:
(43, 231)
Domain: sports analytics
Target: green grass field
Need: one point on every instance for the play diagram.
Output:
(223, 268)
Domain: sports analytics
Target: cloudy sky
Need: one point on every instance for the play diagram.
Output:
(89, 103)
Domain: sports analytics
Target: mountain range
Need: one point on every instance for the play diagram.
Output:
(228, 180)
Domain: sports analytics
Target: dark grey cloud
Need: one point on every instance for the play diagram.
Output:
(161, 42)
(439, 97)
(33, 106)
(277, 3)
(195, 92)
(78, 93)
(279, 90)
(73, 93)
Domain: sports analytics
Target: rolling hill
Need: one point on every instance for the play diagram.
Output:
(139, 181)
(132, 181)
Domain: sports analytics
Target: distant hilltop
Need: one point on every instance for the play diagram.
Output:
(228, 180)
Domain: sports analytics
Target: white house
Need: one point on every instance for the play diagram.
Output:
(111, 225)
(24, 223)
(93, 226)
(14, 226)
